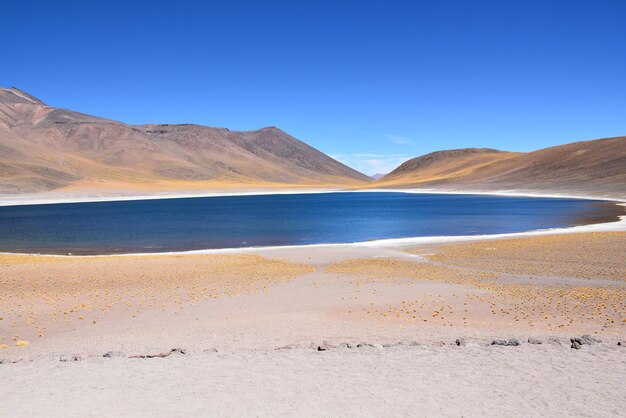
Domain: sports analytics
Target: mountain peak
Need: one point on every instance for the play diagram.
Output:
(48, 148)
(271, 129)
(13, 94)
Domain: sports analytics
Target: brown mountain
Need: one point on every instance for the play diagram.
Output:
(444, 165)
(43, 148)
(596, 167)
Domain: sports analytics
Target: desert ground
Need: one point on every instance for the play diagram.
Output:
(503, 327)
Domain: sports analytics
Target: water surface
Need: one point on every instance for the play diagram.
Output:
(267, 220)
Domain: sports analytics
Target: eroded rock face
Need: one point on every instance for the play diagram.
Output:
(389, 345)
(578, 342)
(113, 354)
(554, 341)
(162, 354)
(289, 347)
(15, 361)
(326, 346)
(513, 342)
(588, 339)
(65, 358)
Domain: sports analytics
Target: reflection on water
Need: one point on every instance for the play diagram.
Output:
(593, 214)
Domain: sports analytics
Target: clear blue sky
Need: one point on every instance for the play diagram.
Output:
(372, 83)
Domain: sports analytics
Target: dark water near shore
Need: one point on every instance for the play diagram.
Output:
(245, 221)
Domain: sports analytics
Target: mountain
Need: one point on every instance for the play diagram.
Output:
(596, 167)
(444, 165)
(44, 148)
(378, 176)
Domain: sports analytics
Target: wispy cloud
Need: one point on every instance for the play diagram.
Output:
(371, 155)
(372, 163)
(400, 140)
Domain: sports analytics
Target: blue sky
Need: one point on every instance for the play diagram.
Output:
(371, 83)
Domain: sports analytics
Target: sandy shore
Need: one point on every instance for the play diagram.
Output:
(82, 197)
(251, 326)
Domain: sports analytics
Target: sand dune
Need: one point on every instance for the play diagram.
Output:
(596, 167)
(43, 148)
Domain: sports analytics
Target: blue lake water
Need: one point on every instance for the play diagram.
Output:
(268, 220)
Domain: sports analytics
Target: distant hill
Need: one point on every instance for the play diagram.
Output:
(444, 165)
(596, 167)
(44, 148)
(378, 176)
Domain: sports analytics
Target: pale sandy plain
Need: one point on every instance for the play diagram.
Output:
(387, 315)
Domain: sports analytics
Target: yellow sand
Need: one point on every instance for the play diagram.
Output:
(490, 296)
(39, 293)
(590, 255)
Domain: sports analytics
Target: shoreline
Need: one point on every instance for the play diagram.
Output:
(29, 200)
(386, 243)
(129, 198)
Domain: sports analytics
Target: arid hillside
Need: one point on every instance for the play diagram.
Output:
(47, 149)
(43, 148)
(442, 165)
(596, 167)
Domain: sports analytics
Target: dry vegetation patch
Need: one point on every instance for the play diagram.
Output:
(39, 292)
(517, 302)
(589, 255)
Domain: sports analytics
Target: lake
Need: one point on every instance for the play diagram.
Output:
(285, 219)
